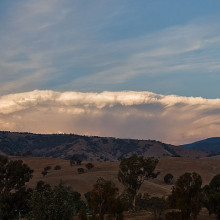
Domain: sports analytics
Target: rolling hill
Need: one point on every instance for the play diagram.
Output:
(83, 183)
(88, 148)
(211, 145)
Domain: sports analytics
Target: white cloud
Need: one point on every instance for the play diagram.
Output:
(125, 114)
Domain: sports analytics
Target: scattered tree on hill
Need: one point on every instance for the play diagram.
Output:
(57, 167)
(212, 196)
(75, 160)
(187, 195)
(133, 171)
(79, 161)
(44, 173)
(103, 199)
(28, 153)
(47, 168)
(14, 174)
(168, 178)
(89, 166)
(80, 170)
(71, 162)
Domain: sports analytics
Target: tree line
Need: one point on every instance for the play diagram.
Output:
(62, 203)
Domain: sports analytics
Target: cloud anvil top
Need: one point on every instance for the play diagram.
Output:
(129, 114)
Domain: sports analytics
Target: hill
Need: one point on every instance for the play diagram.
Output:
(83, 183)
(88, 148)
(69, 176)
(211, 145)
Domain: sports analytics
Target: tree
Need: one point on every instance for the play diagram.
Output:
(75, 159)
(80, 170)
(14, 174)
(154, 204)
(78, 161)
(47, 168)
(212, 196)
(28, 153)
(89, 166)
(44, 173)
(187, 195)
(59, 203)
(133, 171)
(40, 200)
(57, 167)
(104, 199)
(157, 206)
(168, 178)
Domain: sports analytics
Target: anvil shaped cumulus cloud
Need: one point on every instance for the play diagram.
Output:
(125, 114)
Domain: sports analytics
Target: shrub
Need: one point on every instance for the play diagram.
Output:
(44, 173)
(104, 199)
(211, 194)
(14, 175)
(187, 195)
(58, 203)
(168, 178)
(89, 166)
(47, 168)
(80, 170)
(157, 206)
(57, 167)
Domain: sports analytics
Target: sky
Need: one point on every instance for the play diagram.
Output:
(146, 69)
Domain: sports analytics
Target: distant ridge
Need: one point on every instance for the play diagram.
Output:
(88, 148)
(211, 145)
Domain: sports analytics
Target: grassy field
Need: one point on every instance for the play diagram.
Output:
(83, 183)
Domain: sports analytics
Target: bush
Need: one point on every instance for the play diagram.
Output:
(187, 195)
(58, 203)
(157, 206)
(211, 196)
(80, 170)
(57, 167)
(89, 166)
(47, 168)
(168, 178)
(44, 173)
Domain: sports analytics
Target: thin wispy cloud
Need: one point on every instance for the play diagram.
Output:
(72, 44)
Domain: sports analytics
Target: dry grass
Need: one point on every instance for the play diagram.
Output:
(83, 183)
(69, 176)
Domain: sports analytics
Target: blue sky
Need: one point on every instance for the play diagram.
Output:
(155, 59)
(167, 47)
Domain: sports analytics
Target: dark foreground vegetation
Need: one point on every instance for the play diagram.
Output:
(104, 201)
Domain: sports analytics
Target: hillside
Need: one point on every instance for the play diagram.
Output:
(211, 145)
(69, 176)
(83, 183)
(88, 148)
